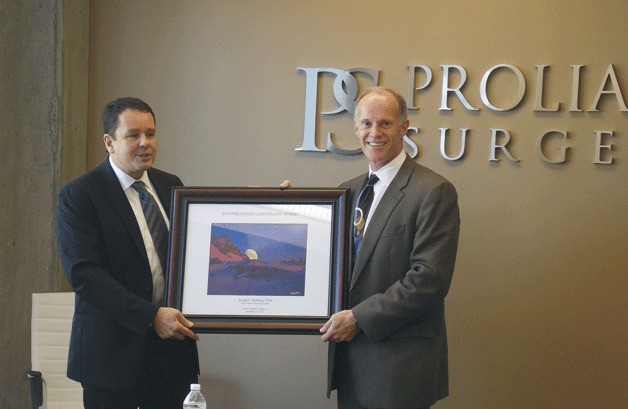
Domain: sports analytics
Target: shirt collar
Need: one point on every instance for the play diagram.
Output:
(388, 172)
(126, 180)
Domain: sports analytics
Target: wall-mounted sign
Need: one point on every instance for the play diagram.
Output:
(346, 89)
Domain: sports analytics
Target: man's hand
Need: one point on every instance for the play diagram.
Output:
(283, 185)
(341, 327)
(170, 323)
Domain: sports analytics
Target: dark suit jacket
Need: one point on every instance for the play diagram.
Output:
(401, 276)
(105, 260)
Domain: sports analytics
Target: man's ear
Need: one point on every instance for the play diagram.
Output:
(406, 125)
(108, 140)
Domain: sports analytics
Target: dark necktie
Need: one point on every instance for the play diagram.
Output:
(365, 200)
(155, 222)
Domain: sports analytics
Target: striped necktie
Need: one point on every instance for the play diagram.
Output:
(365, 200)
(155, 222)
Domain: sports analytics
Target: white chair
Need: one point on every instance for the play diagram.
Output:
(51, 324)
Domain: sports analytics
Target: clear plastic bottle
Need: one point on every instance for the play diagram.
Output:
(195, 399)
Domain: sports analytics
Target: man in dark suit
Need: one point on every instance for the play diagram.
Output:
(388, 349)
(126, 348)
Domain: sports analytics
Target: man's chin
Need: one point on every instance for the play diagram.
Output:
(145, 165)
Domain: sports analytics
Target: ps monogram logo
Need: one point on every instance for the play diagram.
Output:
(346, 90)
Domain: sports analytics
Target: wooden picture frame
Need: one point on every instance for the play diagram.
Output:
(259, 260)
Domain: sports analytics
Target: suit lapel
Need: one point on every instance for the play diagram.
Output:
(120, 203)
(391, 198)
(164, 190)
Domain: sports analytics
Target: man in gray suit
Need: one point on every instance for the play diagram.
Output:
(388, 349)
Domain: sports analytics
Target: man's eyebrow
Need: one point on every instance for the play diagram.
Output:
(134, 130)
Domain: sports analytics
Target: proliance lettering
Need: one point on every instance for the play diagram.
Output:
(345, 91)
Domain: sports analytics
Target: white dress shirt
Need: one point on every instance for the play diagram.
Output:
(385, 174)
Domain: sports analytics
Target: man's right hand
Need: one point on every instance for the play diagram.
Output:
(341, 327)
(170, 323)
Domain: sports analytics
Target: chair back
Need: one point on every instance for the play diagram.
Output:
(51, 324)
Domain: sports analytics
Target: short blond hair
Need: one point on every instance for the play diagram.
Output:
(401, 102)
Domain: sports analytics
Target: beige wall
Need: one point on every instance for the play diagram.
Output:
(537, 310)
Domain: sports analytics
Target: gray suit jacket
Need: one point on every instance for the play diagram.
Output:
(401, 276)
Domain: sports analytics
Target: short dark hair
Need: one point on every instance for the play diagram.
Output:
(110, 115)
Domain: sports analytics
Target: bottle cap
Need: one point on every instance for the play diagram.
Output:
(195, 387)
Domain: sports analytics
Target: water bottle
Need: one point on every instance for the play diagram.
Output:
(195, 399)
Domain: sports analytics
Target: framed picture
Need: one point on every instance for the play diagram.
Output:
(261, 260)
